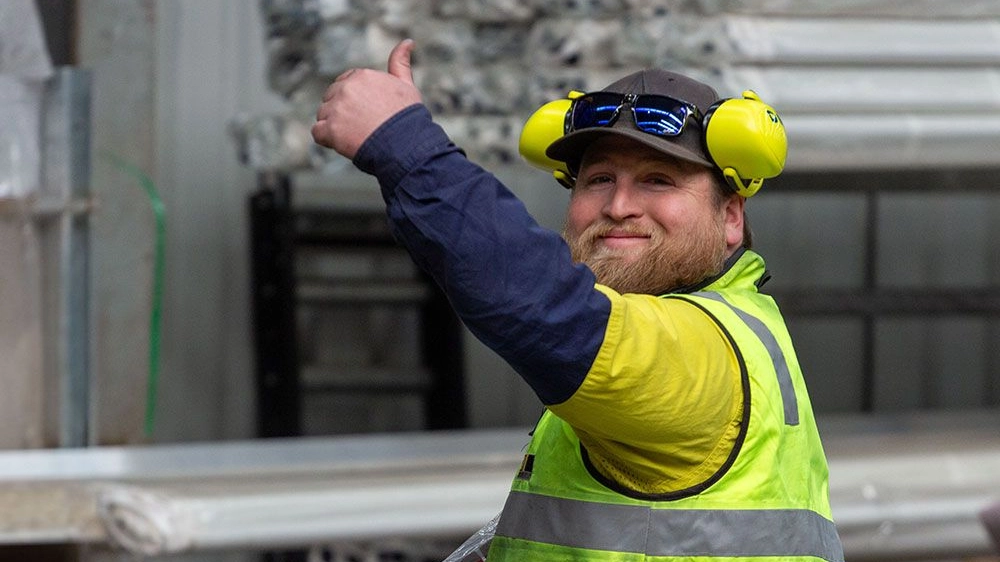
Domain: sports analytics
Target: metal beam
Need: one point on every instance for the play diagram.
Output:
(902, 487)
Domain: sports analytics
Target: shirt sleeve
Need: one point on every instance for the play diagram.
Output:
(511, 281)
(662, 405)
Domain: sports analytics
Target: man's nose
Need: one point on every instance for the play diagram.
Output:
(623, 201)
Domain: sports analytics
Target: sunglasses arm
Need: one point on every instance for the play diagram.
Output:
(564, 179)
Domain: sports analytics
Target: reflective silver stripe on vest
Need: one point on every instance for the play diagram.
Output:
(669, 532)
(788, 399)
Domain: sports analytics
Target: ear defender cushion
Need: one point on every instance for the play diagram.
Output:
(546, 125)
(746, 140)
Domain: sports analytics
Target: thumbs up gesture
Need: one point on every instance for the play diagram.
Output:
(360, 100)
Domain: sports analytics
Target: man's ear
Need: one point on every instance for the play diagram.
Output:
(733, 220)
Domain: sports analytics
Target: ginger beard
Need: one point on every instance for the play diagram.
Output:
(670, 261)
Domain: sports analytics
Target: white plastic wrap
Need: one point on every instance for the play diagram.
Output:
(20, 149)
(870, 8)
(22, 49)
(912, 141)
(476, 547)
(855, 117)
(161, 520)
(900, 489)
(860, 41)
(24, 67)
(144, 521)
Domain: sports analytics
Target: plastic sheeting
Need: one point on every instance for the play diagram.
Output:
(909, 488)
(924, 9)
(24, 68)
(23, 52)
(863, 93)
(160, 520)
(858, 41)
(270, 493)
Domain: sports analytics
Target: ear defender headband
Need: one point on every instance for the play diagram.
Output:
(743, 137)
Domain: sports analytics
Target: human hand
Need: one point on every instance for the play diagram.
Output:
(361, 99)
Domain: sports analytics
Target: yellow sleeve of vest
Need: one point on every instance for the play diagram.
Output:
(660, 409)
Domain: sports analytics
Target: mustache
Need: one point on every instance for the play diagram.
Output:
(603, 228)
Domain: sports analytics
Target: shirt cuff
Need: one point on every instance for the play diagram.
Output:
(406, 140)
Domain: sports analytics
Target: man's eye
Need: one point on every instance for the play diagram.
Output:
(598, 180)
(658, 182)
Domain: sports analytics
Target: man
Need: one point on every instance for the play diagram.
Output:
(677, 423)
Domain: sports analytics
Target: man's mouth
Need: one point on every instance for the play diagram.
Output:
(619, 239)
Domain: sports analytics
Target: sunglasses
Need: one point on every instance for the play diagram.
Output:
(654, 114)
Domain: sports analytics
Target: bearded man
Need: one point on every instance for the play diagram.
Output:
(677, 423)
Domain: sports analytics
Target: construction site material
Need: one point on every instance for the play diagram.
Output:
(902, 488)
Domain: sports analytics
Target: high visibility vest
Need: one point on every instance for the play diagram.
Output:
(768, 502)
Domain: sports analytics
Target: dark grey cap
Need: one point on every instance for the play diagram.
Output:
(686, 146)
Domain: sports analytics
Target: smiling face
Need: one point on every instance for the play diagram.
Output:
(645, 222)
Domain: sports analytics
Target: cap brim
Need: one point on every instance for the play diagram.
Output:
(569, 148)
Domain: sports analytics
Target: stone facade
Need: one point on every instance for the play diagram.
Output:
(482, 65)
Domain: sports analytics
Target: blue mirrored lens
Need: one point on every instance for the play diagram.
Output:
(663, 121)
(657, 115)
(595, 110)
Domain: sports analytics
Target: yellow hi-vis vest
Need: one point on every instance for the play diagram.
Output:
(768, 502)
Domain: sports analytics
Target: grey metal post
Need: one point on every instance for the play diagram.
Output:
(63, 215)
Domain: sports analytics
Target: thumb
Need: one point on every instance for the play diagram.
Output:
(399, 61)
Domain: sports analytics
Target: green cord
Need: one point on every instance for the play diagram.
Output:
(156, 204)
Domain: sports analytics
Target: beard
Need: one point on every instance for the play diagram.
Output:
(667, 263)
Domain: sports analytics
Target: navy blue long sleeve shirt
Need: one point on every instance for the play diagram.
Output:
(511, 281)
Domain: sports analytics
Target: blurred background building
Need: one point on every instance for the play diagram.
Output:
(180, 264)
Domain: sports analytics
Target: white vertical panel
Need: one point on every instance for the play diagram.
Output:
(211, 66)
(20, 330)
(115, 43)
(21, 369)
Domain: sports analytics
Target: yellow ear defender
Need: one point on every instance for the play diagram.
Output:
(744, 137)
(544, 127)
